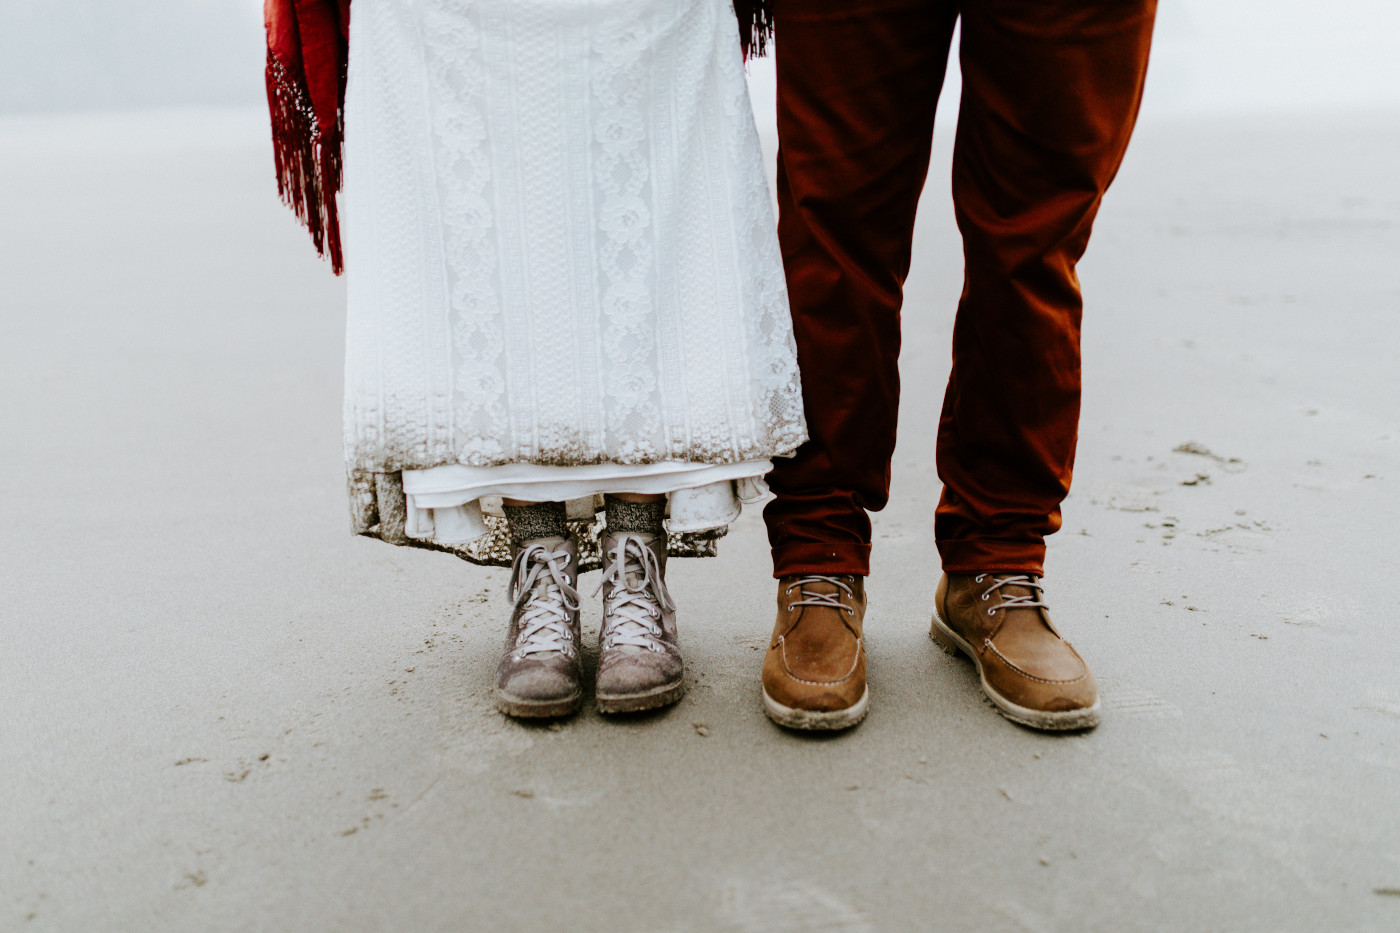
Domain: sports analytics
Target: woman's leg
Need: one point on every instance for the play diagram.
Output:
(637, 497)
(635, 513)
(530, 521)
(539, 675)
(639, 658)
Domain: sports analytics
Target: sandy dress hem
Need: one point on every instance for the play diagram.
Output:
(456, 508)
(448, 505)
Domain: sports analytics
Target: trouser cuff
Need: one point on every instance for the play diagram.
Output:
(982, 555)
(814, 557)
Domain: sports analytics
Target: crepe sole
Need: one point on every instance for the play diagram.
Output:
(814, 720)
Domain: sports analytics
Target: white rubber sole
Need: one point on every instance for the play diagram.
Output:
(1064, 721)
(813, 721)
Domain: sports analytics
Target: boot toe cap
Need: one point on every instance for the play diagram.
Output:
(538, 681)
(631, 671)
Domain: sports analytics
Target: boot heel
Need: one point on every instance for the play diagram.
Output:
(942, 639)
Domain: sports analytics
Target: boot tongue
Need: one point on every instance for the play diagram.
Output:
(1023, 616)
(1017, 589)
(1021, 638)
(832, 588)
(634, 576)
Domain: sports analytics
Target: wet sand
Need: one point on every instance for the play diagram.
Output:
(222, 712)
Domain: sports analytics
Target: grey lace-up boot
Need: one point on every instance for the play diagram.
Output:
(539, 674)
(639, 663)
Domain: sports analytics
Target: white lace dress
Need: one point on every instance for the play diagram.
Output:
(563, 272)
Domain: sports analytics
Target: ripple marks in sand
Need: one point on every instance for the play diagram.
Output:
(1135, 702)
(779, 905)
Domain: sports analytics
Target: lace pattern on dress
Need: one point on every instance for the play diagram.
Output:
(560, 240)
(456, 82)
(621, 55)
(398, 388)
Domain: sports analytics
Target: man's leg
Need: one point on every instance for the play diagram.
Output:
(1050, 92)
(858, 82)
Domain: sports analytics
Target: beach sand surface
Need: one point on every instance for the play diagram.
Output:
(220, 711)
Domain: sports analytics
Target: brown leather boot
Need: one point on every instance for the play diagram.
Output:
(814, 672)
(1031, 674)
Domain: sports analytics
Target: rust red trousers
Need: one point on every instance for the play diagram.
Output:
(1050, 93)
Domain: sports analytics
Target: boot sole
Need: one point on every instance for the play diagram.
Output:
(814, 720)
(639, 702)
(537, 709)
(1063, 721)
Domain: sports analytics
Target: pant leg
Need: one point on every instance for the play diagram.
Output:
(1050, 93)
(858, 83)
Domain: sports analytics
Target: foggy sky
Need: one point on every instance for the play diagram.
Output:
(1210, 55)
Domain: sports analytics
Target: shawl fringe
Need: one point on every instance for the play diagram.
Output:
(755, 26)
(306, 58)
(307, 158)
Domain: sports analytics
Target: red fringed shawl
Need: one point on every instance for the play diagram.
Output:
(306, 57)
(306, 54)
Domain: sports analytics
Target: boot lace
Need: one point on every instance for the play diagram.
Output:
(1014, 600)
(632, 609)
(540, 588)
(811, 598)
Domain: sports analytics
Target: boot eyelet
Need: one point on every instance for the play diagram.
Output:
(979, 578)
(791, 606)
(991, 612)
(986, 596)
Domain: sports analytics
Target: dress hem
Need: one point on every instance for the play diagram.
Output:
(380, 509)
